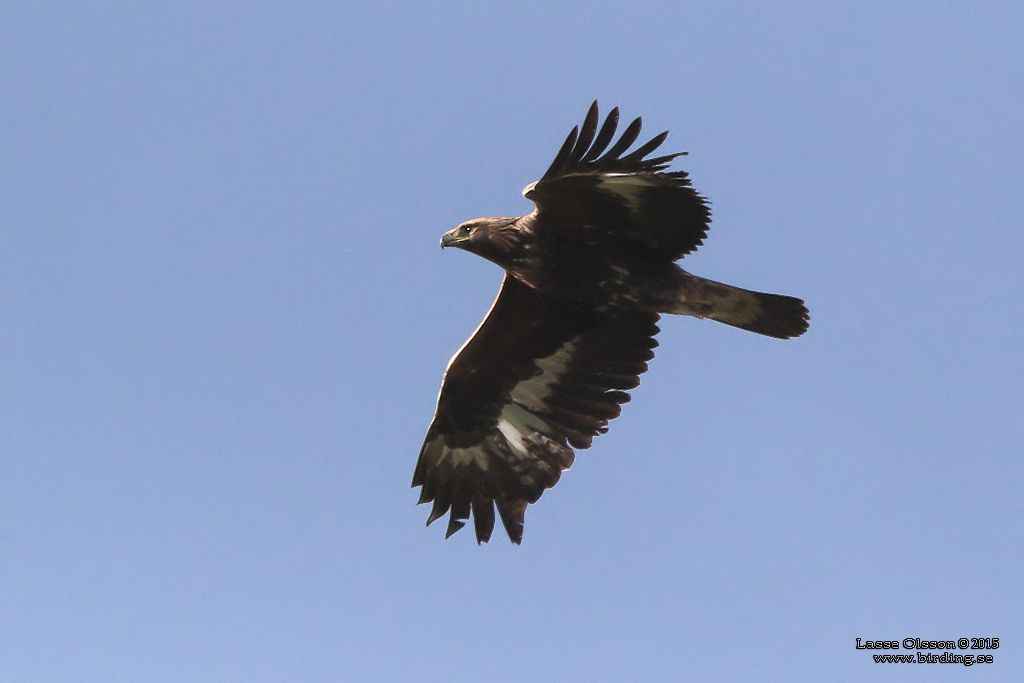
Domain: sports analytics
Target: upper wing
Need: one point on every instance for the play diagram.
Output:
(622, 198)
(536, 379)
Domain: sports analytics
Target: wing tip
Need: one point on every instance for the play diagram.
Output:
(513, 512)
(582, 151)
(454, 524)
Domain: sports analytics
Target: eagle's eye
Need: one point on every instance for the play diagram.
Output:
(464, 231)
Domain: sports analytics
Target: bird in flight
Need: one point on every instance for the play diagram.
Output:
(588, 273)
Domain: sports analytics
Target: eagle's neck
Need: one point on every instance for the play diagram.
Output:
(506, 242)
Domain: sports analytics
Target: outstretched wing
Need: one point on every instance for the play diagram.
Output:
(535, 380)
(619, 197)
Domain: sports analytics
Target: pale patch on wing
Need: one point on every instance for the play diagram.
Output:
(438, 450)
(512, 435)
(629, 186)
(464, 456)
(531, 450)
(530, 393)
(626, 185)
(520, 421)
(524, 421)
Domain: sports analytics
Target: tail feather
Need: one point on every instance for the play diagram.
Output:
(774, 315)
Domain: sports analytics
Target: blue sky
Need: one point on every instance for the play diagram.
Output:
(226, 318)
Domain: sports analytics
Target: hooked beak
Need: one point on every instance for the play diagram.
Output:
(449, 239)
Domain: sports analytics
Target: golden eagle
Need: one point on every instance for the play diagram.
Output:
(587, 275)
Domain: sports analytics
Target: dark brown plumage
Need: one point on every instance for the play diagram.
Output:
(587, 275)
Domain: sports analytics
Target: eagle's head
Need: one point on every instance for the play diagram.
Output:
(495, 239)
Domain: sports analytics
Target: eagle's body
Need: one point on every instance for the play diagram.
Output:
(602, 274)
(588, 274)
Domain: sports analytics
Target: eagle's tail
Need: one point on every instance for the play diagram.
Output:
(774, 315)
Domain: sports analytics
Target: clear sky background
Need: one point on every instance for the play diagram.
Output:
(225, 319)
